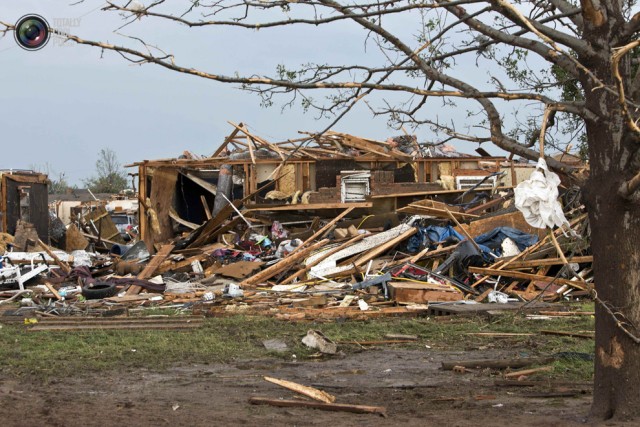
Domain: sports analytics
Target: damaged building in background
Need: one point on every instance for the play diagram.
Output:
(310, 173)
(24, 200)
(305, 229)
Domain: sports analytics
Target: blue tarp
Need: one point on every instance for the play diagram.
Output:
(494, 238)
(488, 242)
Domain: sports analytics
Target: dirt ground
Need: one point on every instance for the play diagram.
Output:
(409, 383)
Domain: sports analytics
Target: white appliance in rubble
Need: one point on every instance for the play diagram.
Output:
(354, 186)
(466, 182)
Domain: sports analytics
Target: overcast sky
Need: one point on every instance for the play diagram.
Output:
(62, 104)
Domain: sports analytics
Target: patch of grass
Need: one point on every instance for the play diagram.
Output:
(51, 354)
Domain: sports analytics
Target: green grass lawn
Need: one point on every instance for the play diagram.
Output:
(51, 354)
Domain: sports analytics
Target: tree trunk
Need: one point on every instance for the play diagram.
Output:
(615, 238)
(615, 233)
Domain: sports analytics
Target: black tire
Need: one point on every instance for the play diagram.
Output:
(99, 290)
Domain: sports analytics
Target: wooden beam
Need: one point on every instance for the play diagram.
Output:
(174, 216)
(428, 193)
(485, 206)
(311, 392)
(527, 276)
(96, 238)
(226, 140)
(358, 409)
(568, 334)
(463, 230)
(151, 268)
(549, 261)
(525, 372)
(205, 206)
(250, 145)
(311, 206)
(371, 254)
(283, 264)
(63, 265)
(308, 267)
(201, 182)
(326, 228)
(496, 363)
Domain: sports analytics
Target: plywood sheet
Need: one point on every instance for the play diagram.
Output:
(75, 240)
(163, 186)
(287, 184)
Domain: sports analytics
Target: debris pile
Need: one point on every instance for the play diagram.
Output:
(252, 230)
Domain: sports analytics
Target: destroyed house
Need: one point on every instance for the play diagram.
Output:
(24, 197)
(332, 171)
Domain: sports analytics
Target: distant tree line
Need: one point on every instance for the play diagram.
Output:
(109, 176)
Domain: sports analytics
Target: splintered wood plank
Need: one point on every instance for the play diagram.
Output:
(310, 206)
(205, 206)
(163, 184)
(211, 228)
(311, 392)
(378, 250)
(527, 276)
(250, 145)
(326, 228)
(283, 264)
(63, 265)
(336, 407)
(174, 216)
(549, 261)
(202, 183)
(151, 268)
(316, 261)
(525, 372)
(569, 334)
(227, 139)
(496, 363)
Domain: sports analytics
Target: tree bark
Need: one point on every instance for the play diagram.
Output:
(615, 233)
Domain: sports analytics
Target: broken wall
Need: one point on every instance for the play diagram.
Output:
(25, 197)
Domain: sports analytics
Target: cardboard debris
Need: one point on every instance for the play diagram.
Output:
(239, 270)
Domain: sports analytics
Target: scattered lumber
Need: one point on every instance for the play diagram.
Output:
(569, 334)
(311, 392)
(335, 407)
(113, 323)
(528, 276)
(151, 268)
(283, 264)
(496, 363)
(525, 372)
(379, 240)
(538, 383)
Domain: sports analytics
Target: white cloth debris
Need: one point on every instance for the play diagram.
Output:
(81, 259)
(537, 198)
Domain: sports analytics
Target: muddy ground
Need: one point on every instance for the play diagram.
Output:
(409, 383)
